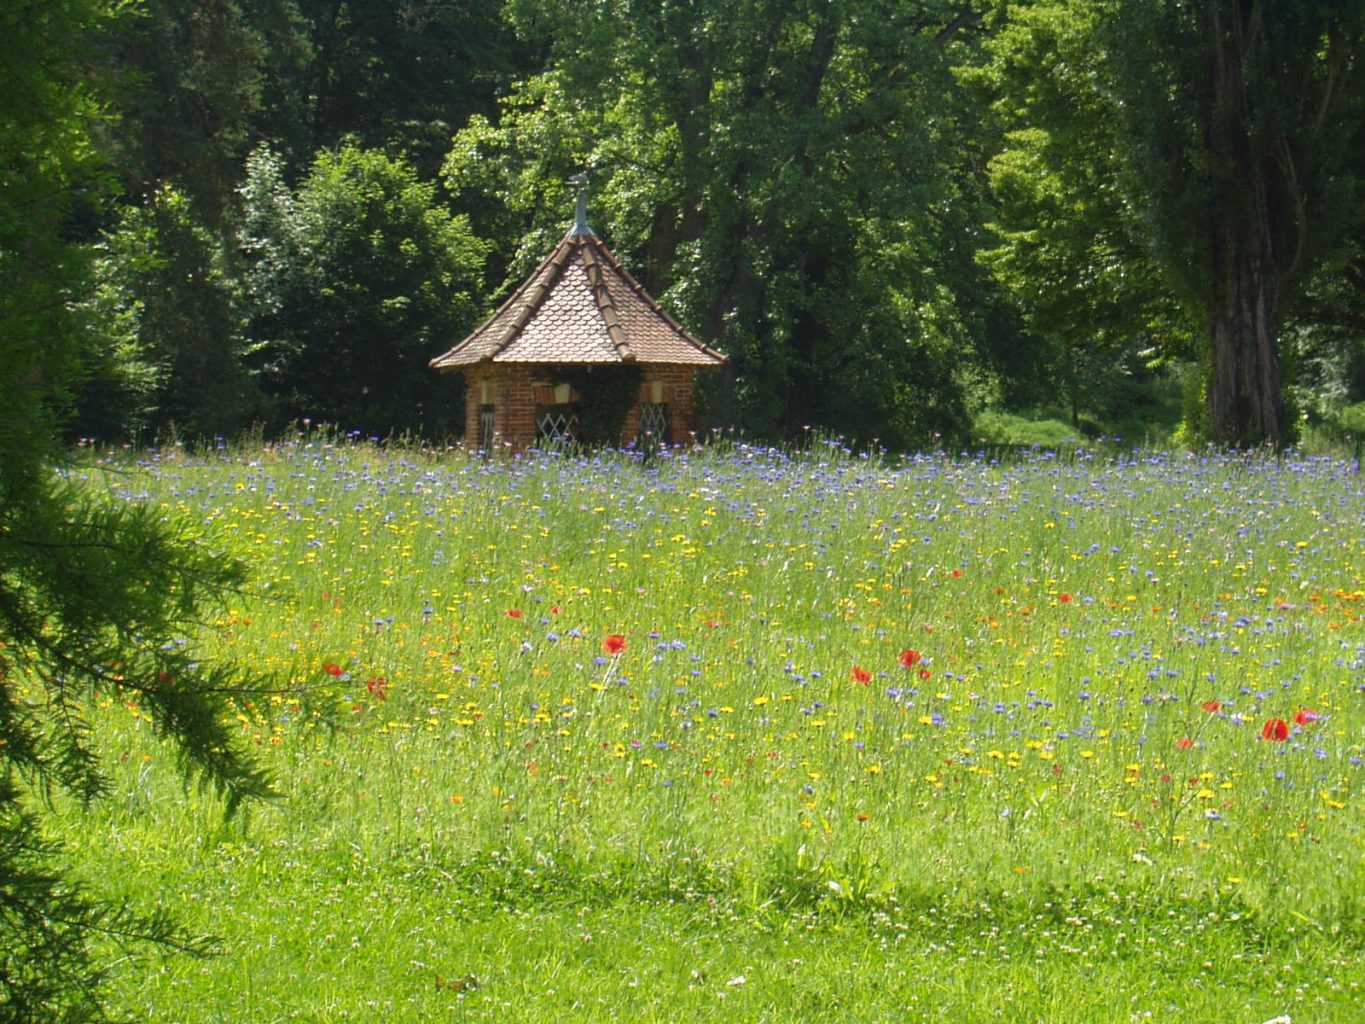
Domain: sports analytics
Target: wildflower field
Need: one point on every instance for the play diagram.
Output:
(750, 735)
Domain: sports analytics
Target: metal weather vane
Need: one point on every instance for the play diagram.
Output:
(580, 225)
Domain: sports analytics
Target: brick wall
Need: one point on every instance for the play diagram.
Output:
(507, 387)
(510, 389)
(674, 389)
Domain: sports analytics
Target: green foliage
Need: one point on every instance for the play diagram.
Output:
(352, 282)
(1326, 333)
(400, 76)
(1070, 246)
(194, 87)
(46, 163)
(1352, 418)
(793, 181)
(889, 215)
(1172, 171)
(96, 600)
(271, 251)
(115, 396)
(607, 394)
(202, 86)
(165, 301)
(998, 428)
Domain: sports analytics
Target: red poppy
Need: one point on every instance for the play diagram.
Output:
(1184, 743)
(924, 673)
(860, 675)
(1304, 716)
(1211, 706)
(909, 658)
(614, 644)
(1064, 598)
(378, 687)
(554, 609)
(332, 668)
(1276, 730)
(514, 613)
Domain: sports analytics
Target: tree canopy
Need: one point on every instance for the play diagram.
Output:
(354, 280)
(796, 179)
(892, 216)
(1178, 169)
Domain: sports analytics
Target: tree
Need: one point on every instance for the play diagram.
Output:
(400, 77)
(114, 397)
(1327, 328)
(793, 178)
(161, 279)
(1273, 112)
(1070, 246)
(196, 84)
(354, 280)
(1228, 133)
(204, 84)
(92, 594)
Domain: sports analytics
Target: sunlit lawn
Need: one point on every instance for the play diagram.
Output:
(745, 735)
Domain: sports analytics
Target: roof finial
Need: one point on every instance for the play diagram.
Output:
(580, 224)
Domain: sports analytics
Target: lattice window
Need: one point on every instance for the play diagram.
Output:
(654, 422)
(556, 424)
(485, 439)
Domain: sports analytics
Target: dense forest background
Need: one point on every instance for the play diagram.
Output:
(902, 219)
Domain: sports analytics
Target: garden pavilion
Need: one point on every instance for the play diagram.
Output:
(578, 345)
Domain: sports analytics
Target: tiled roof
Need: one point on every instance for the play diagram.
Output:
(579, 306)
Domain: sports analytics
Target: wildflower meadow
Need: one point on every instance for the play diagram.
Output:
(745, 734)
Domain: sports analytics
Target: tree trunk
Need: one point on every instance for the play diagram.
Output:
(1246, 406)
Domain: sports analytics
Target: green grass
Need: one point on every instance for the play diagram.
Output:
(407, 942)
(1002, 428)
(1040, 814)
